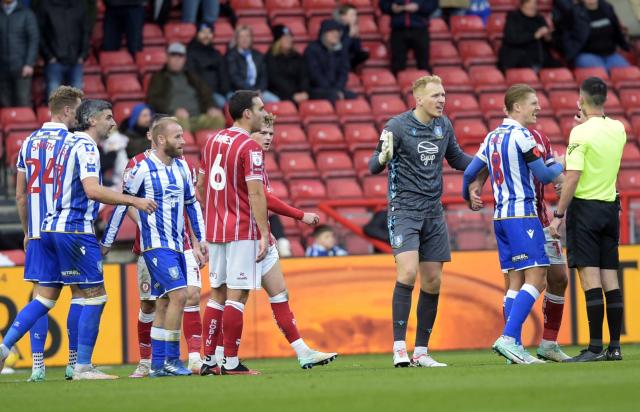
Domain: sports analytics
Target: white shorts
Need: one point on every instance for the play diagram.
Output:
(193, 270)
(553, 247)
(234, 264)
(144, 280)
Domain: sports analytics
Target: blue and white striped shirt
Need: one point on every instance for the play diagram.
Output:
(171, 186)
(37, 159)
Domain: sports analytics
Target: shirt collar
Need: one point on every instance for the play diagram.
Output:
(54, 125)
(153, 155)
(510, 122)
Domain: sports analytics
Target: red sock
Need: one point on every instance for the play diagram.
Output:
(232, 327)
(285, 320)
(220, 341)
(144, 334)
(552, 308)
(211, 326)
(192, 328)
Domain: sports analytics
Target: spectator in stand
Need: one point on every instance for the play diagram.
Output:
(18, 53)
(594, 36)
(123, 17)
(181, 93)
(207, 63)
(347, 16)
(286, 69)
(135, 128)
(409, 30)
(527, 39)
(246, 66)
(324, 243)
(328, 64)
(562, 18)
(65, 32)
(210, 11)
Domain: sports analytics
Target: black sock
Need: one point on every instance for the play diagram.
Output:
(427, 311)
(595, 314)
(614, 316)
(400, 310)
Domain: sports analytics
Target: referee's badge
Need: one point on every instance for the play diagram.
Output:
(437, 130)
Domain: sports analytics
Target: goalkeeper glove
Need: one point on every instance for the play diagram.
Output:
(386, 153)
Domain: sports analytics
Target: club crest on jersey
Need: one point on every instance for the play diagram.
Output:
(437, 130)
(427, 152)
(173, 192)
(174, 273)
(414, 131)
(397, 241)
(256, 158)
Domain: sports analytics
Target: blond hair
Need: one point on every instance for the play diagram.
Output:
(62, 97)
(236, 33)
(159, 126)
(516, 93)
(269, 120)
(422, 82)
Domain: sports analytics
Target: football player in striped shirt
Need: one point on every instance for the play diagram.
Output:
(513, 159)
(272, 281)
(34, 196)
(70, 248)
(165, 177)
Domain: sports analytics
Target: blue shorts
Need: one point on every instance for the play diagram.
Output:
(521, 243)
(72, 259)
(168, 270)
(35, 263)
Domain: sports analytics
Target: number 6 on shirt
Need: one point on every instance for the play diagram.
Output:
(217, 175)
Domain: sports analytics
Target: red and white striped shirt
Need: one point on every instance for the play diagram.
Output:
(544, 146)
(229, 160)
(132, 163)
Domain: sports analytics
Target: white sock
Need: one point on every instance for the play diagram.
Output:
(73, 357)
(38, 360)
(194, 356)
(4, 351)
(420, 350)
(545, 342)
(399, 345)
(509, 339)
(231, 362)
(300, 347)
(146, 362)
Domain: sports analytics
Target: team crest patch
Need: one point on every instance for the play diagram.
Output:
(437, 130)
(145, 287)
(414, 131)
(256, 159)
(397, 241)
(99, 264)
(174, 273)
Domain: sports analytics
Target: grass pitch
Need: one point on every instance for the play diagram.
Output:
(475, 381)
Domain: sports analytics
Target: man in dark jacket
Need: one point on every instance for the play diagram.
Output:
(179, 92)
(347, 16)
(288, 77)
(18, 53)
(328, 64)
(123, 16)
(246, 66)
(207, 63)
(409, 30)
(64, 41)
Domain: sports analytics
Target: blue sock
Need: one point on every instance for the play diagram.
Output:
(25, 320)
(522, 305)
(508, 304)
(38, 334)
(173, 345)
(158, 348)
(88, 327)
(75, 310)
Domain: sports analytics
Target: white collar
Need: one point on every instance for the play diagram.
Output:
(510, 122)
(54, 125)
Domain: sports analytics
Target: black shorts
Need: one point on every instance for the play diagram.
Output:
(428, 236)
(593, 234)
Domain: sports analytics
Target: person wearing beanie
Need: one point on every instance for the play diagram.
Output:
(207, 63)
(328, 64)
(135, 128)
(286, 68)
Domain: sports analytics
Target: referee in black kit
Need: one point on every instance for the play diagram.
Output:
(592, 206)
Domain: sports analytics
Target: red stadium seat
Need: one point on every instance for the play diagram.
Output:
(124, 86)
(470, 131)
(438, 30)
(364, 6)
(546, 109)
(305, 190)
(317, 111)
(379, 55)
(297, 165)
(354, 84)
(151, 60)
(285, 111)
(630, 156)
(502, 5)
(152, 35)
(271, 166)
(386, 106)
(628, 128)
(630, 99)
(43, 114)
(343, 188)
(260, 29)
(322, 8)
(91, 65)
(471, 238)
(117, 62)
(279, 189)
(443, 53)
(460, 106)
(368, 28)
(625, 77)
(526, 76)
(93, 87)
(203, 135)
(475, 52)
(551, 129)
(285, 8)
(290, 137)
(325, 136)
(353, 111)
(13, 143)
(355, 245)
(122, 110)
(379, 81)
(495, 26)
(467, 28)
(361, 161)
(487, 79)
(557, 79)
(18, 118)
(334, 164)
(408, 76)
(629, 179)
(566, 125)
(581, 74)
(492, 105)
(375, 187)
(360, 136)
(179, 32)
(222, 33)
(248, 8)
(613, 106)
(455, 79)
(564, 103)
(452, 184)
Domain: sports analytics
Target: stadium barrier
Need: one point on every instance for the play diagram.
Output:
(341, 304)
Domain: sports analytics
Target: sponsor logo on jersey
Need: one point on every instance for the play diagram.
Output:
(572, 147)
(70, 273)
(427, 152)
(520, 257)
